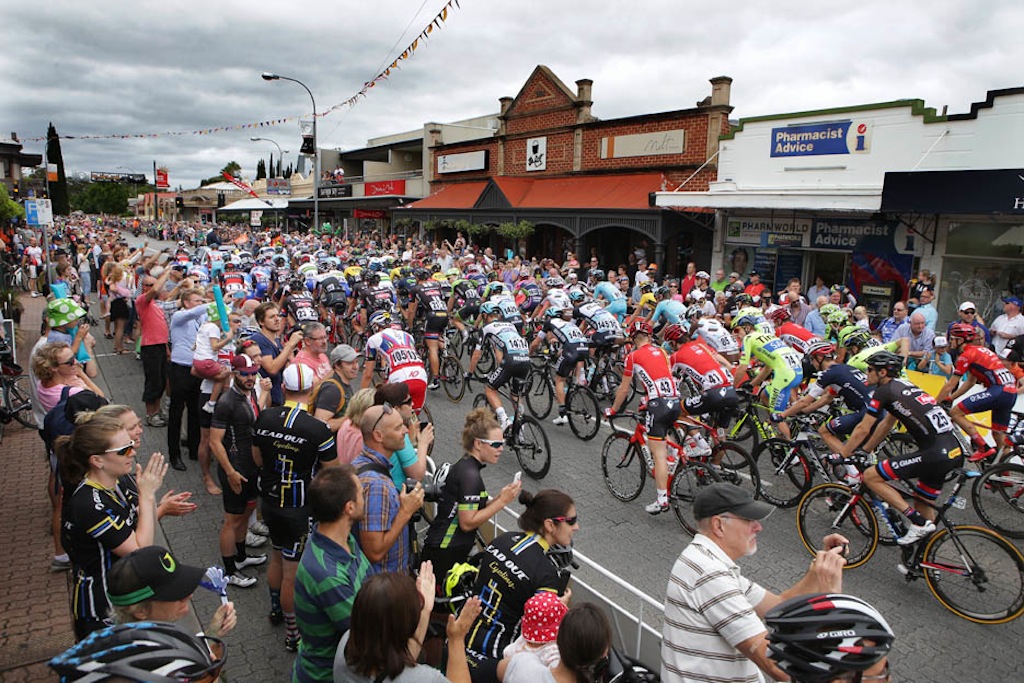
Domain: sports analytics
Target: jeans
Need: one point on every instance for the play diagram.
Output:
(184, 396)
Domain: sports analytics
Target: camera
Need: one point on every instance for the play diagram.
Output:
(431, 489)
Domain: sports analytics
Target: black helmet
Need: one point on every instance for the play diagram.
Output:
(819, 637)
(886, 360)
(144, 651)
(421, 273)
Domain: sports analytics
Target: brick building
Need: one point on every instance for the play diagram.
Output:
(585, 184)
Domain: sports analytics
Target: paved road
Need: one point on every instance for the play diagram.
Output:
(932, 645)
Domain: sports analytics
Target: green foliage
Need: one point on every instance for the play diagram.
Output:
(477, 228)
(8, 207)
(514, 231)
(59, 190)
(109, 198)
(462, 225)
(232, 169)
(261, 169)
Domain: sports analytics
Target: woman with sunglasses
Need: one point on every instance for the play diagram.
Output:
(465, 505)
(110, 511)
(516, 565)
(56, 367)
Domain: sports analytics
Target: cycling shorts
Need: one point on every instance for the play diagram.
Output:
(928, 465)
(468, 312)
(238, 503)
(289, 529)
(784, 380)
(617, 308)
(844, 425)
(511, 367)
(434, 325)
(604, 339)
(571, 355)
(716, 401)
(996, 399)
(335, 299)
(661, 416)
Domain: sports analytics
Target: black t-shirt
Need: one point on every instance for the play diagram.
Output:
(924, 419)
(292, 443)
(515, 566)
(849, 382)
(463, 490)
(378, 298)
(235, 413)
(94, 521)
(332, 395)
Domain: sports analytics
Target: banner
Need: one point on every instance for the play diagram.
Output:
(162, 182)
(51, 172)
(384, 187)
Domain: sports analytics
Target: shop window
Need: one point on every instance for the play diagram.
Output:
(981, 281)
(984, 239)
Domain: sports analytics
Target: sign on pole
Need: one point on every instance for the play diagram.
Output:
(38, 212)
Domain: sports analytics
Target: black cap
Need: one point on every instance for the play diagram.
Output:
(151, 573)
(721, 497)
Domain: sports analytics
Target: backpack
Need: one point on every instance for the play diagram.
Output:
(60, 420)
(339, 410)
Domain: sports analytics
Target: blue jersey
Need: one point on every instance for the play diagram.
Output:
(672, 311)
(608, 291)
(848, 382)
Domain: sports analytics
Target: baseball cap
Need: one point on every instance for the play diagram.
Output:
(298, 377)
(244, 365)
(1012, 300)
(968, 306)
(721, 497)
(343, 353)
(755, 274)
(542, 615)
(940, 341)
(151, 573)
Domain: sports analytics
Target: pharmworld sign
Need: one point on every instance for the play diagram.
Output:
(814, 139)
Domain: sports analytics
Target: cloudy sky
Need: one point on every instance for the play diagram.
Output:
(110, 67)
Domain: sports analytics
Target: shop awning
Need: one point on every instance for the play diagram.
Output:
(727, 196)
(955, 192)
(253, 204)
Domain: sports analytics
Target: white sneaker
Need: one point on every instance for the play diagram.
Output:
(259, 528)
(251, 561)
(241, 580)
(561, 420)
(915, 533)
(506, 423)
(254, 540)
(657, 507)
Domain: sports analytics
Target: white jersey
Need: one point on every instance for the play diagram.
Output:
(716, 336)
(558, 298)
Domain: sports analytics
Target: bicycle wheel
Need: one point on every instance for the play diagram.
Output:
(623, 467)
(736, 467)
(785, 473)
(18, 401)
(583, 413)
(540, 394)
(486, 364)
(480, 401)
(451, 378)
(531, 447)
(975, 573)
(605, 384)
(454, 341)
(998, 497)
(742, 430)
(833, 508)
(686, 482)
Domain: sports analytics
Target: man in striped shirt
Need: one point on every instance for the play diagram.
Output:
(330, 572)
(713, 630)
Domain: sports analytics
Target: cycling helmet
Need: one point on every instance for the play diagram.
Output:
(820, 637)
(553, 312)
(143, 651)
(662, 292)
(851, 335)
(964, 331)
(577, 295)
(838, 317)
(827, 309)
(372, 279)
(639, 327)
(496, 288)
(646, 286)
(735, 288)
(489, 308)
(435, 268)
(492, 276)
(453, 272)
(379, 319)
(459, 583)
(597, 274)
(819, 349)
(571, 276)
(778, 315)
(694, 311)
(674, 333)
(554, 282)
(885, 360)
(744, 299)
(421, 273)
(743, 318)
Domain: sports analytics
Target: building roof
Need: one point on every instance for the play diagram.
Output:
(459, 196)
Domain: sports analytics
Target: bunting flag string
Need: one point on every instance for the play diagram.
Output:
(407, 53)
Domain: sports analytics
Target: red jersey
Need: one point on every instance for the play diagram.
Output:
(985, 365)
(795, 336)
(652, 366)
(698, 362)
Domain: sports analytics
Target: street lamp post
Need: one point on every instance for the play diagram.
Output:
(267, 76)
(280, 161)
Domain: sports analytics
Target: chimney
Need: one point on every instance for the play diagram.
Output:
(505, 103)
(14, 136)
(584, 93)
(720, 87)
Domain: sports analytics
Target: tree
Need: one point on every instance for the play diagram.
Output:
(8, 207)
(270, 169)
(102, 198)
(261, 169)
(59, 190)
(232, 169)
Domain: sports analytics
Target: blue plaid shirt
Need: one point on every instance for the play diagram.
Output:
(382, 504)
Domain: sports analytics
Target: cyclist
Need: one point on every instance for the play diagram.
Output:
(668, 311)
(999, 395)
(710, 371)
(607, 290)
(497, 293)
(859, 345)
(299, 305)
(794, 335)
(511, 356)
(932, 430)
(555, 295)
(397, 349)
(652, 366)
(375, 296)
(599, 323)
(427, 293)
(526, 292)
(713, 333)
(782, 364)
(464, 303)
(558, 324)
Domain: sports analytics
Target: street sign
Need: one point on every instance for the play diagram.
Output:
(38, 212)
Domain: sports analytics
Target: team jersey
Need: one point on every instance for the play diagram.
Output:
(846, 381)
(859, 360)
(558, 298)
(463, 490)
(260, 274)
(235, 282)
(465, 293)
(714, 334)
(608, 291)
(669, 310)
(379, 298)
(503, 336)
(597, 318)
(332, 290)
(293, 444)
(353, 273)
(652, 367)
(430, 299)
(301, 307)
(697, 361)
(509, 311)
(308, 271)
(795, 336)
(986, 367)
(564, 332)
(528, 295)
(396, 347)
(924, 419)
(771, 351)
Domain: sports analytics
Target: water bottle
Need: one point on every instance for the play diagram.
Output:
(702, 445)
(690, 447)
(673, 462)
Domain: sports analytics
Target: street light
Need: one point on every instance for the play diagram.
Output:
(267, 76)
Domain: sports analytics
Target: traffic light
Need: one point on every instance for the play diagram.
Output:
(179, 202)
(17, 189)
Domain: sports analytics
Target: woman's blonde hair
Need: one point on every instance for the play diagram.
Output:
(479, 421)
(90, 438)
(44, 362)
(358, 403)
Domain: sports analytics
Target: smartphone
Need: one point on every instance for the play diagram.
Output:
(518, 477)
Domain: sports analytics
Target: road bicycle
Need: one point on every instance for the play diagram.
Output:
(753, 421)
(998, 498)
(17, 402)
(581, 407)
(604, 373)
(972, 571)
(525, 436)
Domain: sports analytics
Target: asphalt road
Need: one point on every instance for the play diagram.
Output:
(932, 644)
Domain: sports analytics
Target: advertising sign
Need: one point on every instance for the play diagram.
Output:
(466, 161)
(255, 218)
(643, 144)
(817, 139)
(335, 191)
(768, 231)
(162, 181)
(384, 187)
(279, 186)
(113, 177)
(879, 237)
(378, 214)
(536, 154)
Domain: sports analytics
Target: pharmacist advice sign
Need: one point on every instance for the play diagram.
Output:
(817, 139)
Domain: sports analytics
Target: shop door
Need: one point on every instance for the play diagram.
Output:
(831, 266)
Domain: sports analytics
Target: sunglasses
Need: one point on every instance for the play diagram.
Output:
(388, 409)
(500, 443)
(71, 363)
(123, 451)
(571, 521)
(968, 310)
